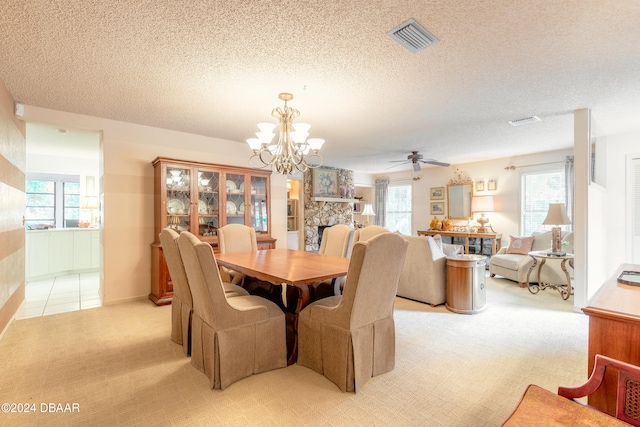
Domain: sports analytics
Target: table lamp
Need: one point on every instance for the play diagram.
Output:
(556, 216)
(368, 211)
(482, 204)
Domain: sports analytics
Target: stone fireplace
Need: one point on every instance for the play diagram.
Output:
(326, 213)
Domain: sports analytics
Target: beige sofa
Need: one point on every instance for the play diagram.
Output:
(515, 267)
(424, 273)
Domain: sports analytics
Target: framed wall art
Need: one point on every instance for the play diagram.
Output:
(480, 186)
(491, 185)
(437, 193)
(325, 183)
(437, 208)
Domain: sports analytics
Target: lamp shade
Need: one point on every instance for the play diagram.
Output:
(90, 202)
(368, 210)
(557, 215)
(482, 204)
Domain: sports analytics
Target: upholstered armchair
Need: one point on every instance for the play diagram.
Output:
(232, 338)
(351, 339)
(182, 302)
(336, 241)
(513, 263)
(235, 238)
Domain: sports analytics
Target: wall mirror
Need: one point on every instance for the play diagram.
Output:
(459, 195)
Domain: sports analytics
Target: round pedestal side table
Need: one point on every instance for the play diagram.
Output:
(466, 284)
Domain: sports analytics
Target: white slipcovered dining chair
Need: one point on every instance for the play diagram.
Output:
(235, 238)
(182, 301)
(368, 232)
(336, 241)
(351, 339)
(232, 338)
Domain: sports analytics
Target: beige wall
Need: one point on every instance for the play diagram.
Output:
(12, 202)
(127, 227)
(506, 218)
(620, 150)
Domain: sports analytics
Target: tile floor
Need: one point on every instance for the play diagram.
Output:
(61, 294)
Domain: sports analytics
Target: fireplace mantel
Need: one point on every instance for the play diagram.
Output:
(333, 199)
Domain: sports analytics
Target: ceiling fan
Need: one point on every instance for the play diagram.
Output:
(415, 159)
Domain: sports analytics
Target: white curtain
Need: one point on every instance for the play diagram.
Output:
(380, 207)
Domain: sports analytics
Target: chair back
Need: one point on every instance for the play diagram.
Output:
(171, 253)
(368, 232)
(207, 300)
(236, 238)
(372, 279)
(628, 387)
(336, 240)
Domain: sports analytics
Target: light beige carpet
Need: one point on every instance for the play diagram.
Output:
(119, 366)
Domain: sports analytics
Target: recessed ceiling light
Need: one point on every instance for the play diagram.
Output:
(524, 121)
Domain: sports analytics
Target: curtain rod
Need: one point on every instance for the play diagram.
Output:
(512, 167)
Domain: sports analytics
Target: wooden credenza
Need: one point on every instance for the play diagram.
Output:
(614, 331)
(496, 239)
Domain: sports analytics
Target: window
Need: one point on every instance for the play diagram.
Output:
(41, 203)
(537, 191)
(399, 208)
(71, 204)
(53, 200)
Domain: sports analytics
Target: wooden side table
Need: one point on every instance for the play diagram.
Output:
(565, 289)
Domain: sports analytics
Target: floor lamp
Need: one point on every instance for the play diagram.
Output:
(556, 216)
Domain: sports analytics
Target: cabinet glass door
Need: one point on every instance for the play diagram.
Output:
(235, 199)
(178, 198)
(208, 213)
(259, 204)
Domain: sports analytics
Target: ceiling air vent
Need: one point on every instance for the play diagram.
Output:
(412, 36)
(524, 121)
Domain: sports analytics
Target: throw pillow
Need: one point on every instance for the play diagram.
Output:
(520, 245)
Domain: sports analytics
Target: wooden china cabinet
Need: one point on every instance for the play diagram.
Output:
(200, 198)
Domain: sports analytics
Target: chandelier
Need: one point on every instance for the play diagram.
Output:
(293, 151)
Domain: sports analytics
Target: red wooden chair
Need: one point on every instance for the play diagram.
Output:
(628, 394)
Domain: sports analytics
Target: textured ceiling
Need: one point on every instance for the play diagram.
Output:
(215, 68)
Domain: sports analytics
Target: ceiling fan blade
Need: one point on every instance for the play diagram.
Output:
(399, 164)
(434, 162)
(416, 167)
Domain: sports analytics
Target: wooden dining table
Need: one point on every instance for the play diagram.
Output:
(294, 269)
(288, 267)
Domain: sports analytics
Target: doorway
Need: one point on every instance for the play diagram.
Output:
(62, 248)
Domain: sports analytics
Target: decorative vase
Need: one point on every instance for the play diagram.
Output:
(447, 224)
(435, 223)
